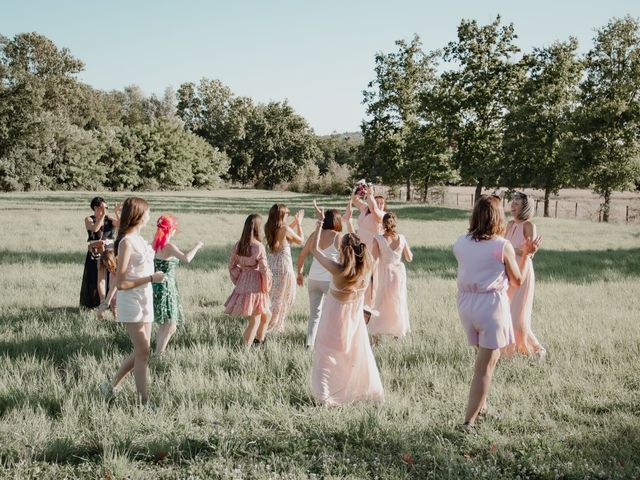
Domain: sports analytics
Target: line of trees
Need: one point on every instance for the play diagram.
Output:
(58, 133)
(548, 119)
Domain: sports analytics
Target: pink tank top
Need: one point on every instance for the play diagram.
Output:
(480, 265)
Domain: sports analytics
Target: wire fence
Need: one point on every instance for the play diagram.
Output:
(625, 210)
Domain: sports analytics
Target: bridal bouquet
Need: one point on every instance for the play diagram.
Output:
(360, 189)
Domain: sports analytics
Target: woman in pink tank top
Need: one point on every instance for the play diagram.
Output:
(486, 267)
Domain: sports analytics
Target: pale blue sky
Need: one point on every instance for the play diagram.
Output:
(318, 55)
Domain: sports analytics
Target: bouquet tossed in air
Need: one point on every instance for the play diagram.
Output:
(360, 190)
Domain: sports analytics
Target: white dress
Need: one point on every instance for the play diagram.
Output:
(136, 304)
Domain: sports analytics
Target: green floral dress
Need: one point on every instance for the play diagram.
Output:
(166, 298)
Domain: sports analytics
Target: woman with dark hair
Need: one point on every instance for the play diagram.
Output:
(134, 298)
(487, 265)
(521, 299)
(344, 369)
(100, 229)
(390, 311)
(252, 280)
(279, 237)
(319, 278)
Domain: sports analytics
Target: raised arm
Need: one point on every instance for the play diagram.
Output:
(122, 283)
(296, 236)
(184, 257)
(301, 257)
(358, 202)
(332, 266)
(94, 225)
(373, 206)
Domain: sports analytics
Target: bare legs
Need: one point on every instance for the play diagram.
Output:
(256, 329)
(102, 282)
(164, 334)
(138, 361)
(486, 361)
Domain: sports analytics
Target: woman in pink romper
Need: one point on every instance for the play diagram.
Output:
(521, 299)
(390, 314)
(486, 266)
(252, 278)
(344, 369)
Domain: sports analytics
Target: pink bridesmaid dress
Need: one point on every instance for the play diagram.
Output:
(390, 314)
(368, 228)
(344, 369)
(521, 300)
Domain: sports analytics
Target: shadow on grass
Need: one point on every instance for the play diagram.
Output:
(583, 266)
(429, 213)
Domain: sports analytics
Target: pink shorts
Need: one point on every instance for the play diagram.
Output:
(486, 319)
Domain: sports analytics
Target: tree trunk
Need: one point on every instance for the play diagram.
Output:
(426, 190)
(606, 206)
(478, 190)
(408, 189)
(547, 193)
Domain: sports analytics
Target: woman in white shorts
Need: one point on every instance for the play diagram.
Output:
(134, 275)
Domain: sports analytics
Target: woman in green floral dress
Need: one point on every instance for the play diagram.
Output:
(167, 308)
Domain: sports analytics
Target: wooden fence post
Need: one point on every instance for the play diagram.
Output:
(627, 216)
(556, 212)
(536, 208)
(472, 201)
(576, 213)
(457, 199)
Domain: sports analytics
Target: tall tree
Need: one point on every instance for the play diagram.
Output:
(538, 125)
(480, 87)
(392, 101)
(609, 117)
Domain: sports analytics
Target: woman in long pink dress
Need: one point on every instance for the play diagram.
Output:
(372, 211)
(390, 314)
(486, 267)
(521, 299)
(279, 238)
(252, 278)
(344, 369)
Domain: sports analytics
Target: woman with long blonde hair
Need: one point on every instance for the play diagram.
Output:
(344, 369)
(134, 276)
(279, 237)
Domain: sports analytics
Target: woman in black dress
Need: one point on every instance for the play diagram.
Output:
(101, 229)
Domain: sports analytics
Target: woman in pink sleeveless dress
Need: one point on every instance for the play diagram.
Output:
(390, 314)
(372, 211)
(486, 266)
(252, 279)
(521, 299)
(279, 238)
(344, 369)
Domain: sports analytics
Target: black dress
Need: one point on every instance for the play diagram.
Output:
(89, 296)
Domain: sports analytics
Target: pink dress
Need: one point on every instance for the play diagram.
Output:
(344, 369)
(252, 279)
(368, 228)
(390, 312)
(521, 299)
(283, 291)
(483, 304)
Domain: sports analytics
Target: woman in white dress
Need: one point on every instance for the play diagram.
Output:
(134, 275)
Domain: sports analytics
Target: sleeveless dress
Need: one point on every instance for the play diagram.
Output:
(89, 296)
(252, 279)
(344, 369)
(368, 228)
(166, 298)
(521, 299)
(318, 283)
(283, 290)
(136, 304)
(483, 304)
(390, 314)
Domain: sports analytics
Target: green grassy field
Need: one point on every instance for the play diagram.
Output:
(230, 413)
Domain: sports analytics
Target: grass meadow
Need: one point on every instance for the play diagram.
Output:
(229, 413)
